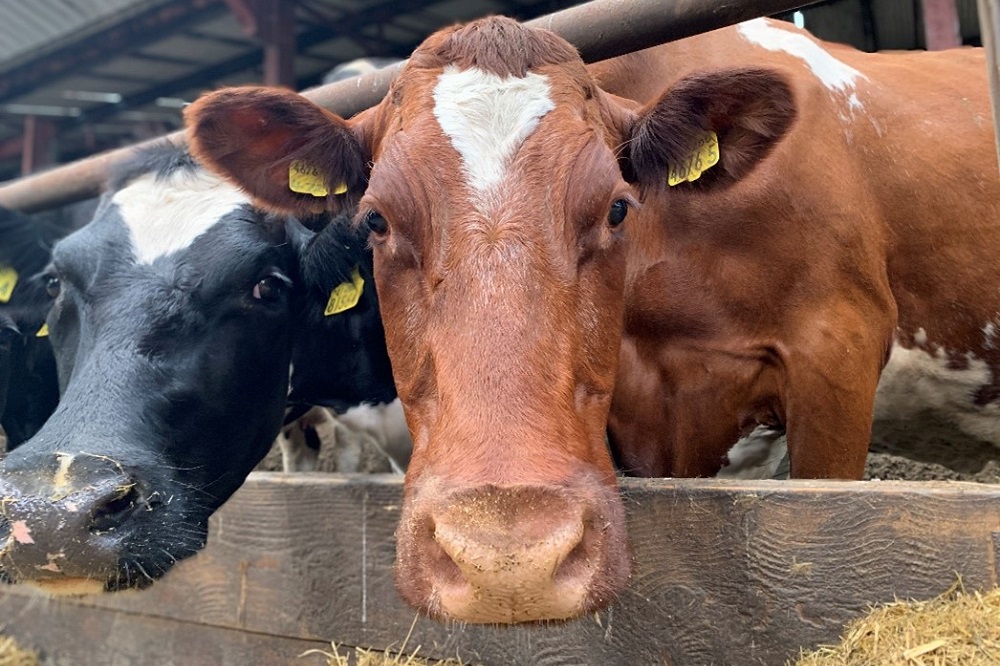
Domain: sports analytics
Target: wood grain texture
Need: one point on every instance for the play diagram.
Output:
(725, 572)
(68, 635)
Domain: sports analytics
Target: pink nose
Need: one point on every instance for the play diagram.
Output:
(504, 555)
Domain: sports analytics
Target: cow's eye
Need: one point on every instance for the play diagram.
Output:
(52, 286)
(376, 223)
(618, 212)
(271, 288)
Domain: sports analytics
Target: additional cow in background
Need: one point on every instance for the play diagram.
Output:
(174, 319)
(365, 439)
(375, 428)
(29, 389)
(809, 213)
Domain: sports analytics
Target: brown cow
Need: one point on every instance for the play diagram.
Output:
(853, 210)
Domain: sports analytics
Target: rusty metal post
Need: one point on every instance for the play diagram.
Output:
(989, 28)
(941, 28)
(37, 148)
(599, 29)
(277, 29)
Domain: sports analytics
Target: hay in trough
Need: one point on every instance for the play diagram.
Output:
(363, 657)
(957, 627)
(12, 654)
(366, 657)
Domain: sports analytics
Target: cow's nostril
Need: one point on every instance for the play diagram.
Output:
(575, 564)
(444, 568)
(116, 509)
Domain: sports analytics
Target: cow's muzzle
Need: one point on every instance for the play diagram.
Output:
(64, 518)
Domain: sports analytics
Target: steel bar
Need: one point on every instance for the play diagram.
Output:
(600, 29)
(989, 28)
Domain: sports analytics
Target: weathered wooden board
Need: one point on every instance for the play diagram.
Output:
(726, 572)
(69, 635)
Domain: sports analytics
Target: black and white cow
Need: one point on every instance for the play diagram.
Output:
(28, 387)
(175, 315)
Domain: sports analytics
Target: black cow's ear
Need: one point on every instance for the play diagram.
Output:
(710, 129)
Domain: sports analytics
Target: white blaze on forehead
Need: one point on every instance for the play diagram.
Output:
(165, 215)
(487, 117)
(833, 73)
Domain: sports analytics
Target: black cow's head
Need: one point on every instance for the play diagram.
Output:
(173, 322)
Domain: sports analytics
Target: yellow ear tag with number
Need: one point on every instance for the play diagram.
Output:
(43, 332)
(345, 295)
(8, 280)
(700, 161)
(305, 178)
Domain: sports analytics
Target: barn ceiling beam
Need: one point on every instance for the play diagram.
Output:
(208, 76)
(100, 47)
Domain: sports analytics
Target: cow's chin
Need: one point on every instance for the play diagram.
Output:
(68, 587)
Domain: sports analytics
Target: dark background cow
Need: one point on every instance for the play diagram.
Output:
(28, 386)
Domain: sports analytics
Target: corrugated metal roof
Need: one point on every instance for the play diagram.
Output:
(28, 29)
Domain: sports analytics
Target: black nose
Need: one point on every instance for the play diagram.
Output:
(62, 518)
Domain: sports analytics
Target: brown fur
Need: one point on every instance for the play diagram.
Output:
(252, 135)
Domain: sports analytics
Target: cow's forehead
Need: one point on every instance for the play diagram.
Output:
(165, 214)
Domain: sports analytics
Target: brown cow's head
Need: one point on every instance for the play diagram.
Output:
(496, 197)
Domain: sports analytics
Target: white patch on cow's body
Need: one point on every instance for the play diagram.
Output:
(488, 117)
(833, 73)
(916, 382)
(165, 215)
(989, 335)
(756, 456)
(920, 337)
(837, 76)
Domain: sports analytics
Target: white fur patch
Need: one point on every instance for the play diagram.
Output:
(989, 335)
(755, 456)
(166, 215)
(917, 382)
(833, 73)
(837, 76)
(488, 117)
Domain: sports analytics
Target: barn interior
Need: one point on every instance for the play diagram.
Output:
(81, 77)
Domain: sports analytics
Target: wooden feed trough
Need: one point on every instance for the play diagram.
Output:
(725, 572)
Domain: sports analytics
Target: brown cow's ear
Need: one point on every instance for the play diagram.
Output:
(290, 155)
(710, 130)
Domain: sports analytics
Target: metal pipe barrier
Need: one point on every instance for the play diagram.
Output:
(599, 29)
(989, 29)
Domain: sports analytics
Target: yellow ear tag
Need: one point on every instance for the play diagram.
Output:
(345, 295)
(8, 280)
(43, 332)
(305, 178)
(700, 161)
